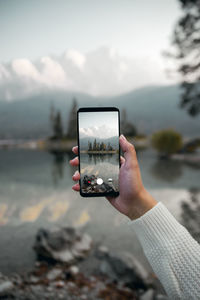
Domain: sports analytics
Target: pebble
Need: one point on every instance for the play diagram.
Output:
(5, 287)
(53, 274)
(161, 297)
(74, 270)
(102, 251)
(59, 284)
(71, 285)
(148, 295)
(83, 297)
(33, 279)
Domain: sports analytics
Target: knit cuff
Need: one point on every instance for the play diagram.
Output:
(157, 227)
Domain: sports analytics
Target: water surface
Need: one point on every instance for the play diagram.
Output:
(35, 191)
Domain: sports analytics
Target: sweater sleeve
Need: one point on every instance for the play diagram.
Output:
(172, 252)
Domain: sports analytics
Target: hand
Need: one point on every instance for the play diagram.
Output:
(133, 200)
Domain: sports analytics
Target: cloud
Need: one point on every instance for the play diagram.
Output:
(76, 57)
(98, 131)
(102, 72)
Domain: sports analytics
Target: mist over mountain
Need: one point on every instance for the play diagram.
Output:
(150, 109)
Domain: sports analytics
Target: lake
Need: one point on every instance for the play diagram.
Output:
(35, 192)
(104, 166)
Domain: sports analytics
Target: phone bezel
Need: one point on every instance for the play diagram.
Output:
(96, 109)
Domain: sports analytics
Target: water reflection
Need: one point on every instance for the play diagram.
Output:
(167, 170)
(59, 165)
(191, 212)
(100, 158)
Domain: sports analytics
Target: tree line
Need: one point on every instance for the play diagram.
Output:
(56, 123)
(58, 132)
(97, 146)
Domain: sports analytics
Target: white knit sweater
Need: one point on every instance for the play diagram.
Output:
(172, 252)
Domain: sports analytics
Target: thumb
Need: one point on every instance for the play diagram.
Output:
(128, 149)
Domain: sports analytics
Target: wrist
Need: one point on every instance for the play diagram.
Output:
(143, 203)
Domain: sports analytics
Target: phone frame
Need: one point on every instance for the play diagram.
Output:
(96, 109)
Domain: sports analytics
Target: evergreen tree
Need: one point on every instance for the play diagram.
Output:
(110, 148)
(58, 128)
(89, 146)
(127, 128)
(72, 124)
(101, 146)
(186, 39)
(52, 117)
(98, 146)
(94, 145)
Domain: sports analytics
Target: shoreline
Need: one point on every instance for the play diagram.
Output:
(100, 152)
(94, 272)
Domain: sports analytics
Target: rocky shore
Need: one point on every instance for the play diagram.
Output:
(70, 266)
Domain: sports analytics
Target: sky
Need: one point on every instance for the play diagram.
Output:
(98, 47)
(98, 124)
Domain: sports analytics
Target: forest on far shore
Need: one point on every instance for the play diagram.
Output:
(95, 146)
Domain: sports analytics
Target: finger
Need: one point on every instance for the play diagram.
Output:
(75, 150)
(76, 187)
(128, 149)
(76, 176)
(122, 160)
(74, 162)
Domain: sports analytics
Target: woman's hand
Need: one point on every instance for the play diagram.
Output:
(133, 200)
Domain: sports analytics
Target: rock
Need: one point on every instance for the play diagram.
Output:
(37, 264)
(148, 295)
(71, 285)
(134, 264)
(83, 297)
(119, 269)
(5, 287)
(53, 274)
(17, 279)
(102, 251)
(74, 270)
(64, 245)
(82, 246)
(106, 269)
(33, 279)
(36, 289)
(60, 284)
(161, 297)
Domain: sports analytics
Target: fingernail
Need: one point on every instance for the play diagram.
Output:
(123, 137)
(76, 173)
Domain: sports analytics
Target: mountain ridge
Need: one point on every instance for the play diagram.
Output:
(149, 109)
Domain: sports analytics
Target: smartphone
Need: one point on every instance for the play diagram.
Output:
(99, 151)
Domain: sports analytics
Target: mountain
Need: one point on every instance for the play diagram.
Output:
(150, 109)
(112, 140)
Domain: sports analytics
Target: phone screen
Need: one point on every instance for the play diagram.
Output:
(99, 152)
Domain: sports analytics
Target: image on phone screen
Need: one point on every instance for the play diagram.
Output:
(99, 151)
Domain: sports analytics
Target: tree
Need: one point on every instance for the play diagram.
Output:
(52, 117)
(72, 124)
(94, 145)
(98, 147)
(167, 142)
(110, 148)
(101, 146)
(186, 39)
(127, 128)
(89, 146)
(58, 128)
